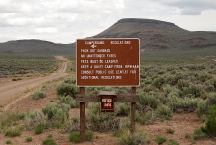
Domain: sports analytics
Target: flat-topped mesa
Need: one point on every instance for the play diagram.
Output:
(148, 21)
(134, 27)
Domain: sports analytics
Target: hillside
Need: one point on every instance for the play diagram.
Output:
(155, 36)
(159, 35)
(35, 47)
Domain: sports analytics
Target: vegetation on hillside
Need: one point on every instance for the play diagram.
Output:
(24, 65)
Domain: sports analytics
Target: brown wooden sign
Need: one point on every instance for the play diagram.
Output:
(108, 62)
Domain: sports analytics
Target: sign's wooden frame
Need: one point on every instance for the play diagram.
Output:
(83, 99)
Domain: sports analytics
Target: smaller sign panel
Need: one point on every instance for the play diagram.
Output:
(108, 62)
(107, 103)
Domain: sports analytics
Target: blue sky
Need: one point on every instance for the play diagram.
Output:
(63, 21)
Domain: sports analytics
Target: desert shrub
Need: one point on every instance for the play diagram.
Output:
(72, 125)
(75, 136)
(121, 90)
(170, 68)
(101, 121)
(148, 100)
(202, 108)
(8, 142)
(191, 91)
(67, 89)
(147, 81)
(211, 99)
(172, 92)
(38, 95)
(164, 112)
(198, 134)
(158, 82)
(123, 125)
(28, 139)
(214, 83)
(173, 79)
(49, 141)
(126, 138)
(172, 142)
(57, 114)
(203, 77)
(194, 67)
(210, 86)
(39, 129)
(174, 103)
(210, 124)
(95, 90)
(160, 139)
(8, 119)
(146, 118)
(182, 104)
(160, 72)
(89, 135)
(148, 88)
(189, 104)
(69, 100)
(122, 109)
(139, 138)
(167, 89)
(33, 119)
(182, 84)
(70, 81)
(13, 131)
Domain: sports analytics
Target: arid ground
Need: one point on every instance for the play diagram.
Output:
(16, 97)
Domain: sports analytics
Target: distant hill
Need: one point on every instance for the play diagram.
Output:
(159, 35)
(155, 36)
(35, 47)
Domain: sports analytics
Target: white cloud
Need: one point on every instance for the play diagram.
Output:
(46, 30)
(17, 21)
(191, 7)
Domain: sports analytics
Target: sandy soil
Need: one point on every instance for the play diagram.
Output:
(11, 92)
(61, 138)
(183, 124)
(28, 104)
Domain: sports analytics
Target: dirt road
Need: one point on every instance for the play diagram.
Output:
(12, 92)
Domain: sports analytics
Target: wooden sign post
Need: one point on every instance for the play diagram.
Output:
(133, 110)
(82, 115)
(107, 62)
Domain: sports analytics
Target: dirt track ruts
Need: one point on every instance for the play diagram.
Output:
(12, 92)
